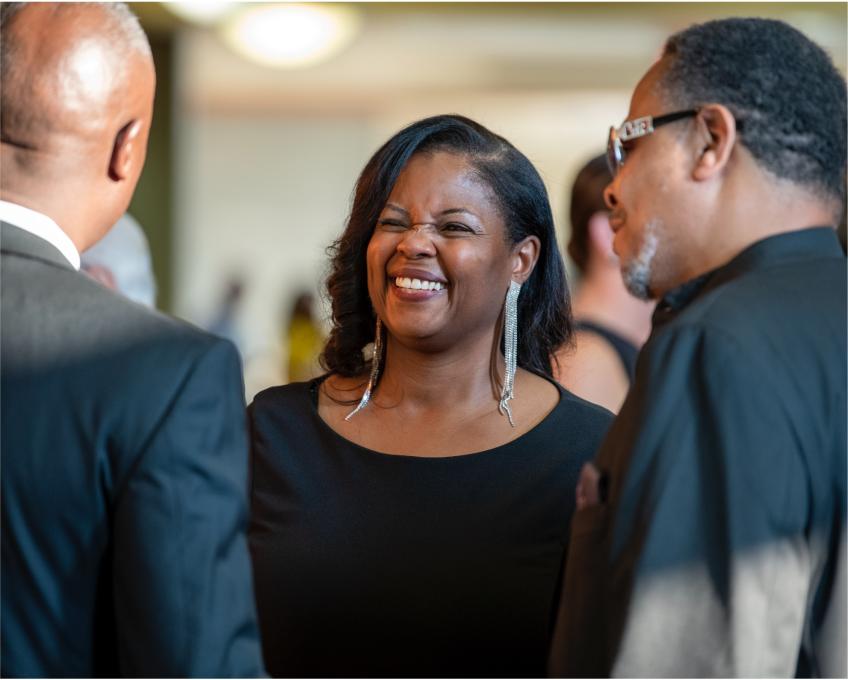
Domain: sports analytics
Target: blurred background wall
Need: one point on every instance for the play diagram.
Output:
(251, 166)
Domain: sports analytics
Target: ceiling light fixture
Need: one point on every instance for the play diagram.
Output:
(290, 35)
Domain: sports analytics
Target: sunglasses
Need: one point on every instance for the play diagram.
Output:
(633, 129)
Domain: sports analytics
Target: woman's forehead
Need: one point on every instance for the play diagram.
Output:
(440, 181)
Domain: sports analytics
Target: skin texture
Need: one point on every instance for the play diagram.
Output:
(77, 110)
(591, 368)
(436, 396)
(690, 196)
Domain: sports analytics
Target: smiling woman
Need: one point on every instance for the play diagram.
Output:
(408, 514)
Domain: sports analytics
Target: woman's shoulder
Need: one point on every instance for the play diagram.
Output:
(582, 408)
(584, 420)
(294, 399)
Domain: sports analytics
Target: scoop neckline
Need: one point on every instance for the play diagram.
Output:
(315, 384)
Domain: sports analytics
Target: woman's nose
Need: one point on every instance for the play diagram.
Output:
(417, 242)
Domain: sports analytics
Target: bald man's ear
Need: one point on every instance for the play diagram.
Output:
(716, 137)
(126, 150)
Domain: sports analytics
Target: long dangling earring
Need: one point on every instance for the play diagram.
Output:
(375, 371)
(510, 348)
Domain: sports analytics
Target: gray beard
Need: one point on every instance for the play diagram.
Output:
(637, 272)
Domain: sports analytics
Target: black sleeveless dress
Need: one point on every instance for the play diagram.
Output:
(368, 564)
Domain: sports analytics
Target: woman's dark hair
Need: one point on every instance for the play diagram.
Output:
(544, 312)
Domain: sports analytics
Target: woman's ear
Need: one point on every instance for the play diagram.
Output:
(716, 138)
(525, 254)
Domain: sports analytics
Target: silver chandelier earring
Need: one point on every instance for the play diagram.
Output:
(510, 348)
(375, 371)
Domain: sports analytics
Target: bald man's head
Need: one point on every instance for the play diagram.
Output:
(76, 98)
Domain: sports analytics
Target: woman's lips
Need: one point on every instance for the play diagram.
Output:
(415, 289)
(414, 283)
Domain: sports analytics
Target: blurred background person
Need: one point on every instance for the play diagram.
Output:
(408, 515)
(225, 318)
(303, 340)
(610, 324)
(121, 261)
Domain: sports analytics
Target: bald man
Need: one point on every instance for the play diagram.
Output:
(124, 465)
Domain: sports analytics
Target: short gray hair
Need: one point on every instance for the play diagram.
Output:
(127, 23)
(123, 23)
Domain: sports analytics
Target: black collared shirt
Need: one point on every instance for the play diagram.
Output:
(715, 552)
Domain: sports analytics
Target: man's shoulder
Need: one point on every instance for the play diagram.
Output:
(81, 313)
(108, 307)
(170, 340)
(780, 330)
(783, 302)
(111, 305)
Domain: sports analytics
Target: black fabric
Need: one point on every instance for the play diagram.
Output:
(124, 475)
(626, 350)
(370, 564)
(728, 456)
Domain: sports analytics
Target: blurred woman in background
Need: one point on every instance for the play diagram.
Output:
(410, 508)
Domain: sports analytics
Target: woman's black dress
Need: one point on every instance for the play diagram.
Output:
(371, 564)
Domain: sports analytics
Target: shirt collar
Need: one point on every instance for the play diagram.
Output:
(793, 245)
(41, 226)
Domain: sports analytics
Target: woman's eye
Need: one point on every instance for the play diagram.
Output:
(456, 226)
(391, 224)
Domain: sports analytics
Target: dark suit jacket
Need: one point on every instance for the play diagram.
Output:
(124, 485)
(717, 553)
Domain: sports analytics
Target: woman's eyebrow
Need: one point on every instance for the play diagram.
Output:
(397, 208)
(449, 211)
(454, 211)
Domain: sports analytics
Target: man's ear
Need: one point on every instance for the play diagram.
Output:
(125, 151)
(525, 255)
(716, 138)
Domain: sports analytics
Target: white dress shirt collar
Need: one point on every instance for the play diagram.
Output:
(42, 226)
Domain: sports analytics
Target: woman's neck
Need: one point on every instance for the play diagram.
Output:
(429, 380)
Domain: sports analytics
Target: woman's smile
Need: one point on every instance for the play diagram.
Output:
(416, 285)
(416, 290)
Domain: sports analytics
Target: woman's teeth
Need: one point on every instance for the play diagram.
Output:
(418, 284)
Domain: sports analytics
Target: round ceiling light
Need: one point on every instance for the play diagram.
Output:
(290, 35)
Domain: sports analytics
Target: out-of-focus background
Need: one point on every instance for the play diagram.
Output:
(266, 113)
